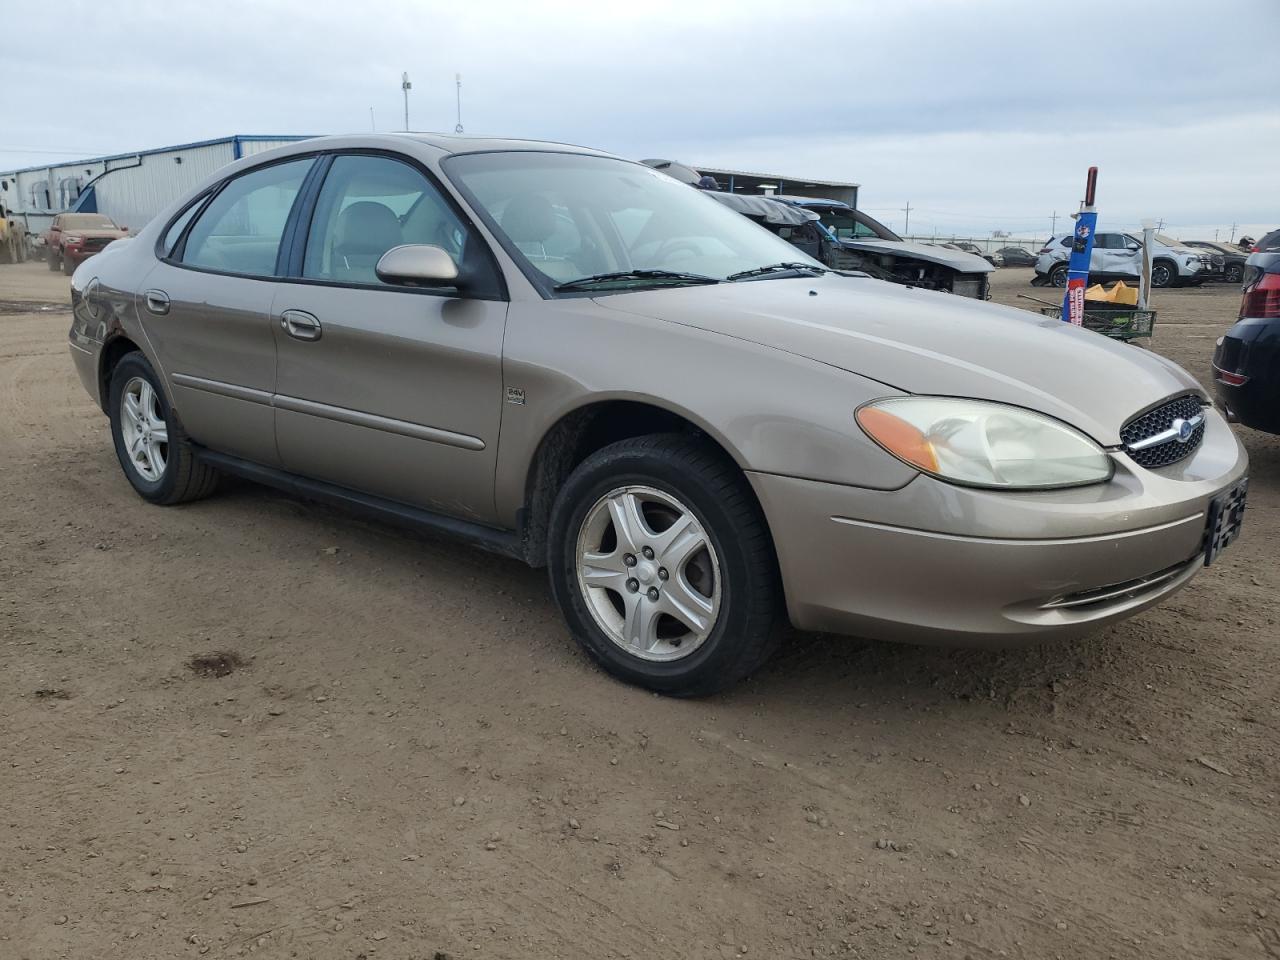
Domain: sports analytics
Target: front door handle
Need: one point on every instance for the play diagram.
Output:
(157, 301)
(300, 325)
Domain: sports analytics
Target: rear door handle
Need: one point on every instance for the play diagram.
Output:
(300, 325)
(157, 301)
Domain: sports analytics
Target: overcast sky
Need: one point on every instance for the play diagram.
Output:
(983, 115)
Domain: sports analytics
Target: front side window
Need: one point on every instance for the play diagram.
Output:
(240, 230)
(570, 217)
(368, 205)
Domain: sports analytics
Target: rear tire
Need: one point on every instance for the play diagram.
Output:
(154, 452)
(1058, 275)
(699, 626)
(1234, 273)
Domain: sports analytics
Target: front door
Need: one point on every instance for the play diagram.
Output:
(392, 391)
(206, 309)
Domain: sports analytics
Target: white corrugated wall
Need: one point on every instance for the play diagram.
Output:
(249, 147)
(136, 189)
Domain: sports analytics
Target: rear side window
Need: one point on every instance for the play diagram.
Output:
(175, 229)
(240, 230)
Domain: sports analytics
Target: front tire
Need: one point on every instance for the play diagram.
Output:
(68, 266)
(52, 259)
(1163, 274)
(662, 565)
(153, 450)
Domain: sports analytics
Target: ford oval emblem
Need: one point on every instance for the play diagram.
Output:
(1184, 428)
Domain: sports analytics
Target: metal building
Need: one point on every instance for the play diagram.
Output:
(130, 188)
(740, 181)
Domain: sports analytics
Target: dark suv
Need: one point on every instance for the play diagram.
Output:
(1246, 363)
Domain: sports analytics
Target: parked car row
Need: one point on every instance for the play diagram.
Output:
(1118, 256)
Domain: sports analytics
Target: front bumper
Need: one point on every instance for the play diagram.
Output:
(936, 563)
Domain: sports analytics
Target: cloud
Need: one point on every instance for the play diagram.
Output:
(962, 108)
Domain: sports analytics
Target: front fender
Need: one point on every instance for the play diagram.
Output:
(771, 411)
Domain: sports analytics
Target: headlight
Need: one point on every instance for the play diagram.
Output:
(71, 238)
(983, 444)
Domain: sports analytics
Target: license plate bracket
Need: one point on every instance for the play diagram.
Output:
(1226, 517)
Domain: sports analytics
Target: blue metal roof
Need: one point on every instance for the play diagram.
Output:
(237, 138)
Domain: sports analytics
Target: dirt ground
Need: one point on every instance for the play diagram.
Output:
(412, 759)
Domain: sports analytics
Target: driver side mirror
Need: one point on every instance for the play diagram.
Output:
(1133, 246)
(417, 265)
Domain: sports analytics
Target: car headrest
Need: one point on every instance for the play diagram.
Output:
(529, 218)
(368, 226)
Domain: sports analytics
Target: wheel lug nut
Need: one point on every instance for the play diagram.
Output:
(633, 585)
(629, 560)
(653, 593)
(648, 553)
(662, 573)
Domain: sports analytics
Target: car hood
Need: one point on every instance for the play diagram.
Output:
(96, 234)
(929, 342)
(955, 259)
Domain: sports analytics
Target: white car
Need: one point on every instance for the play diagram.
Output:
(1118, 256)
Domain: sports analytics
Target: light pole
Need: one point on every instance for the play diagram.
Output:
(458, 127)
(406, 86)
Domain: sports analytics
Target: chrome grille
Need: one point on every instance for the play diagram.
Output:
(1141, 434)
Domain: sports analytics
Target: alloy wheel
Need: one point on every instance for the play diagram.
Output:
(145, 432)
(649, 573)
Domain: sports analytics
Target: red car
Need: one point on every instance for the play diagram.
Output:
(75, 237)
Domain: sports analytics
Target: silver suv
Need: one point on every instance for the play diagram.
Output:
(580, 362)
(1118, 256)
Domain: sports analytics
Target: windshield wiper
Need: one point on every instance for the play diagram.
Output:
(784, 267)
(623, 276)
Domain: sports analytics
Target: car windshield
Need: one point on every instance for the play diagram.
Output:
(86, 221)
(569, 218)
(850, 225)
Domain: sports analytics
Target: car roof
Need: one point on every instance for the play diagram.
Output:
(443, 144)
(810, 201)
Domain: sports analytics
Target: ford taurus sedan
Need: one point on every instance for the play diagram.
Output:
(575, 360)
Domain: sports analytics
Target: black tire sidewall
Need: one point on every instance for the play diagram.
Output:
(719, 653)
(158, 491)
(1172, 274)
(1057, 272)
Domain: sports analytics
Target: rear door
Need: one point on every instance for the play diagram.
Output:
(206, 309)
(392, 391)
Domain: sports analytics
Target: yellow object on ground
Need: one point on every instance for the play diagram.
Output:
(1120, 292)
(1123, 293)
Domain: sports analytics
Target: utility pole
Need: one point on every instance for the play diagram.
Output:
(1160, 224)
(405, 87)
(1053, 224)
(906, 224)
(458, 127)
(372, 126)
(1233, 232)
